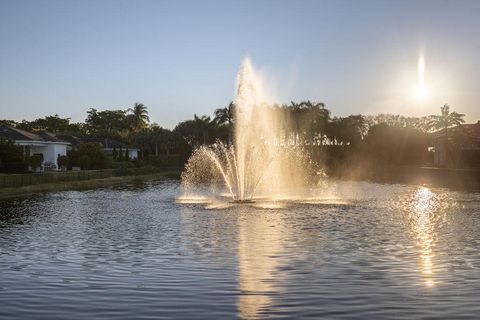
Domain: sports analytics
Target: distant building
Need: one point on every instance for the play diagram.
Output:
(111, 146)
(463, 146)
(42, 143)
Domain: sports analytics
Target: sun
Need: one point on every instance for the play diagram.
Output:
(420, 93)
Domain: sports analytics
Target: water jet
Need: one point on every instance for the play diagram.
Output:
(263, 158)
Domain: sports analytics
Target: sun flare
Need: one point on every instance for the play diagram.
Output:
(421, 92)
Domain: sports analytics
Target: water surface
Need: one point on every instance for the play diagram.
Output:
(361, 250)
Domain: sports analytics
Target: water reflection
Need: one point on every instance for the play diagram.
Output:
(393, 252)
(423, 209)
(259, 250)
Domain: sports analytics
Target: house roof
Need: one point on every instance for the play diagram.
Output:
(11, 133)
(467, 135)
(108, 143)
(473, 129)
(73, 140)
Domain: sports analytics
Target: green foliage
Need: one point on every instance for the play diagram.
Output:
(108, 120)
(88, 156)
(346, 130)
(225, 115)
(116, 122)
(120, 156)
(138, 119)
(11, 157)
(386, 137)
(446, 119)
(395, 145)
(63, 161)
(85, 162)
(53, 124)
(35, 161)
(443, 122)
(11, 123)
(199, 131)
(164, 161)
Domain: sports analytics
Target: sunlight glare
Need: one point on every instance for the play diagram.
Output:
(421, 92)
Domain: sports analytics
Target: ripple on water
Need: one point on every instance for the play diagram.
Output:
(372, 251)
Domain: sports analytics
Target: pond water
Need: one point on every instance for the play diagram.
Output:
(362, 251)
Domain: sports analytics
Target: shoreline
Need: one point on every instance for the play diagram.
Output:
(456, 179)
(467, 179)
(13, 192)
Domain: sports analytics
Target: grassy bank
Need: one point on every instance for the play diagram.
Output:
(84, 184)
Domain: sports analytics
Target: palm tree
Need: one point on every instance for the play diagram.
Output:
(202, 127)
(139, 116)
(317, 117)
(296, 113)
(346, 130)
(226, 116)
(444, 121)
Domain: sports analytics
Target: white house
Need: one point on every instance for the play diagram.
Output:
(42, 143)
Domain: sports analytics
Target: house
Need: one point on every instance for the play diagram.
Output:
(110, 147)
(42, 143)
(463, 146)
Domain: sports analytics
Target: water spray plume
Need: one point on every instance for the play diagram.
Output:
(258, 163)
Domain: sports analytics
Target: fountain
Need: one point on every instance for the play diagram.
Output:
(261, 161)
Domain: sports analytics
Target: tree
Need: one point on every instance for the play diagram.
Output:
(444, 121)
(161, 138)
(12, 159)
(89, 156)
(203, 127)
(226, 116)
(347, 130)
(315, 121)
(53, 124)
(10, 123)
(107, 121)
(395, 145)
(139, 117)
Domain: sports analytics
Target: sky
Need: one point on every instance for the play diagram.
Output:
(180, 58)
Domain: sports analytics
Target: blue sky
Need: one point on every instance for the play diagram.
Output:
(181, 57)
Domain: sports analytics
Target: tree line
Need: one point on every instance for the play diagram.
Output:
(384, 137)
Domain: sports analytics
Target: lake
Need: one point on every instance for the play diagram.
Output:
(360, 250)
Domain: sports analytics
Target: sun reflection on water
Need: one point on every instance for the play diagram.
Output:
(423, 207)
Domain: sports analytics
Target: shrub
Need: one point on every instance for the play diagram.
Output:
(88, 156)
(85, 162)
(63, 161)
(12, 159)
(35, 161)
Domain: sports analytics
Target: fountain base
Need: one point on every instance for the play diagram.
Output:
(242, 201)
